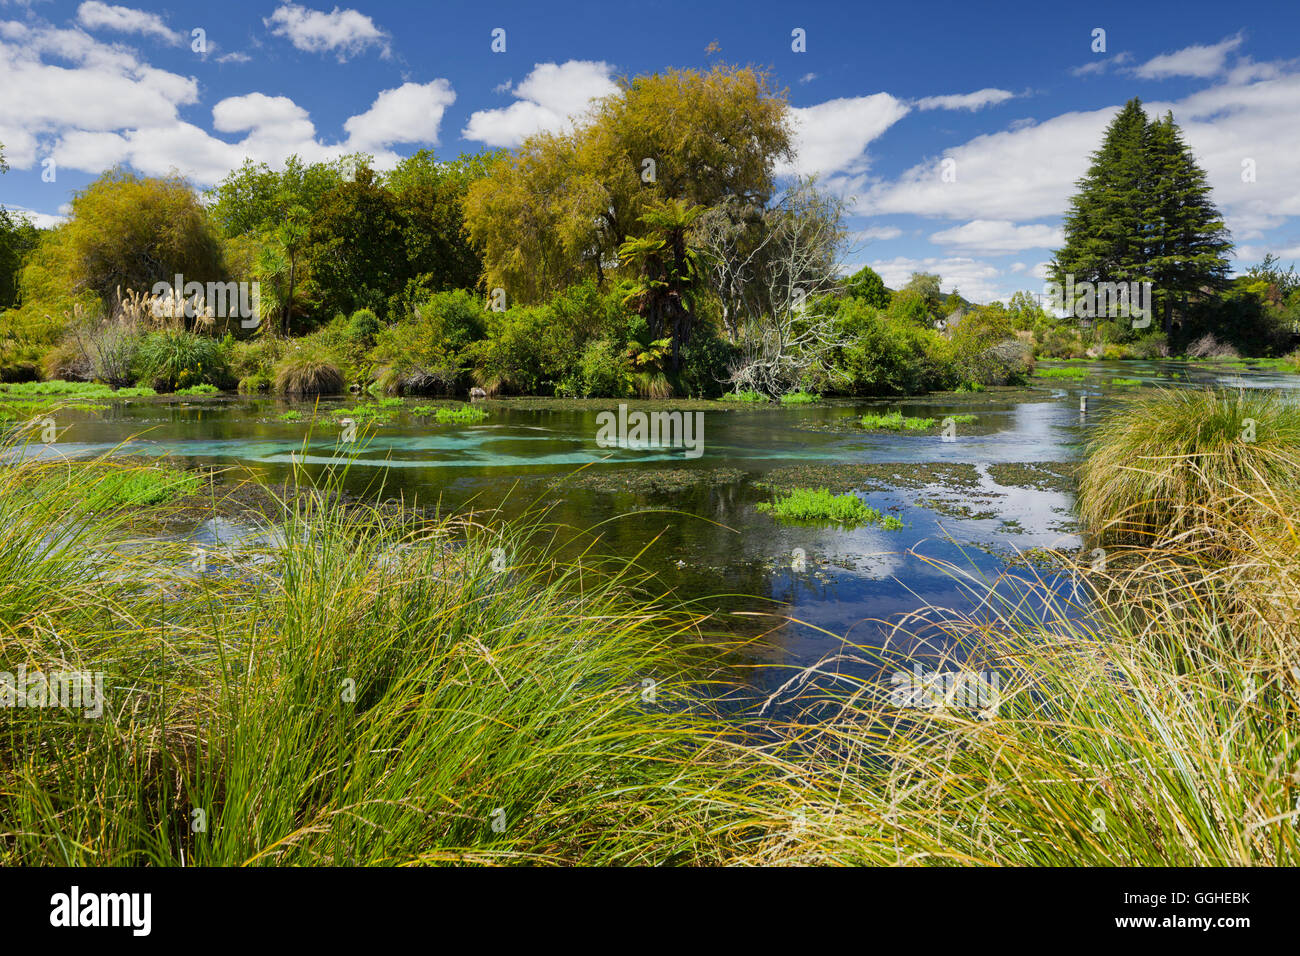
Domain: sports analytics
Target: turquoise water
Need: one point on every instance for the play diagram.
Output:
(709, 538)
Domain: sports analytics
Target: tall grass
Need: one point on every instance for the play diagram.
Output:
(366, 690)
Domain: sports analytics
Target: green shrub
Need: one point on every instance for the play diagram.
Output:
(747, 395)
(800, 398)
(888, 355)
(363, 327)
(172, 360)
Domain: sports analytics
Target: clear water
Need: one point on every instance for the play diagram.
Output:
(711, 540)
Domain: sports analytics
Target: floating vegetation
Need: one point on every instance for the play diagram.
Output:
(896, 421)
(1068, 373)
(819, 505)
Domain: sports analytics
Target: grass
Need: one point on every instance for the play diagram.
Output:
(1126, 381)
(746, 395)
(292, 415)
(368, 691)
(377, 689)
(1187, 462)
(77, 390)
(297, 375)
(965, 419)
(819, 505)
(465, 414)
(204, 389)
(800, 398)
(895, 421)
(1067, 373)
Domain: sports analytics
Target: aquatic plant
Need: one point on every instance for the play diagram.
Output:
(894, 421)
(819, 505)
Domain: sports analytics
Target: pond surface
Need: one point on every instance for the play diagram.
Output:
(997, 487)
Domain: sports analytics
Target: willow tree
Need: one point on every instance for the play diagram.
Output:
(559, 208)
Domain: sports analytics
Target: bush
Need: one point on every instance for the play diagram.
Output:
(888, 355)
(1186, 464)
(363, 327)
(427, 354)
(300, 373)
(172, 360)
(819, 505)
(603, 371)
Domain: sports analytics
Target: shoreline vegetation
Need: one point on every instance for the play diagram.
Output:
(374, 686)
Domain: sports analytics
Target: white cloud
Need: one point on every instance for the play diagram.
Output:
(879, 232)
(832, 137)
(975, 280)
(1103, 64)
(1020, 174)
(966, 101)
(994, 236)
(102, 105)
(235, 57)
(95, 15)
(1200, 61)
(41, 220)
(411, 113)
(342, 32)
(548, 98)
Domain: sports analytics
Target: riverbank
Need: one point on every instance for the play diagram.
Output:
(368, 685)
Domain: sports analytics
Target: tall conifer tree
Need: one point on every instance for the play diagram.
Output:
(1143, 213)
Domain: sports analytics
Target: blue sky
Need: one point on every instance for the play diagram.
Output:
(1011, 94)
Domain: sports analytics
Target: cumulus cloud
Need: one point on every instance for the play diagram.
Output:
(976, 280)
(94, 15)
(102, 105)
(411, 113)
(966, 101)
(344, 33)
(548, 98)
(993, 236)
(1198, 61)
(1020, 174)
(832, 137)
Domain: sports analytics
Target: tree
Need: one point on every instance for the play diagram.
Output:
(251, 198)
(18, 237)
(1188, 245)
(430, 198)
(785, 333)
(357, 246)
(558, 209)
(866, 285)
(667, 273)
(1143, 213)
(126, 232)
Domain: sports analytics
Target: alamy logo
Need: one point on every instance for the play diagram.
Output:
(962, 689)
(102, 909)
(1090, 300)
(642, 430)
(222, 300)
(70, 690)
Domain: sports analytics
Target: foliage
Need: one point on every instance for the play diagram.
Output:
(1143, 213)
(820, 506)
(895, 421)
(557, 210)
(173, 359)
(128, 233)
(866, 285)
